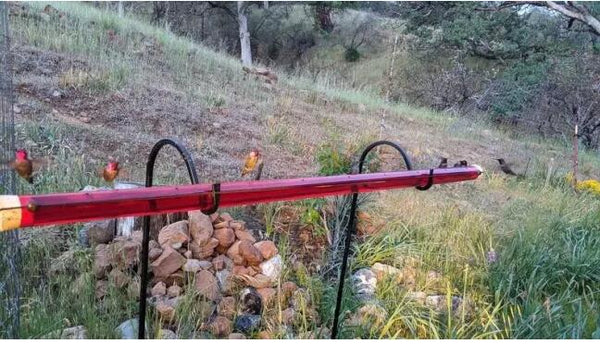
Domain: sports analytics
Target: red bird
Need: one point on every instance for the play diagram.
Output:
(23, 165)
(111, 171)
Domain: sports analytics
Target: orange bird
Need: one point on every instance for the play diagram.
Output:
(23, 165)
(111, 171)
(250, 162)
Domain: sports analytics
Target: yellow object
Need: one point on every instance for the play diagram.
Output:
(10, 217)
(589, 185)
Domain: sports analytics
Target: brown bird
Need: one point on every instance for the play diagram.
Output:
(506, 168)
(111, 171)
(443, 163)
(462, 163)
(250, 162)
(23, 165)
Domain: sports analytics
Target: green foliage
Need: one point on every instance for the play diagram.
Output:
(351, 54)
(333, 160)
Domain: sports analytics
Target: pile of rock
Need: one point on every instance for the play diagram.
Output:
(365, 282)
(214, 258)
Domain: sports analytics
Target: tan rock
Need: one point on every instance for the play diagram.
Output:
(220, 327)
(101, 261)
(250, 253)
(192, 265)
(101, 289)
(137, 236)
(200, 228)
(166, 334)
(226, 237)
(153, 244)
(222, 262)
(159, 289)
(288, 288)
(243, 270)
(221, 225)
(267, 248)
(237, 225)
(174, 291)
(268, 296)
(214, 217)
(118, 278)
(100, 232)
(383, 270)
(175, 235)
(165, 311)
(188, 254)
(154, 253)
(168, 262)
(205, 251)
(288, 316)
(264, 335)
(126, 253)
(207, 285)
(226, 281)
(176, 278)
(226, 217)
(257, 281)
(236, 336)
(234, 254)
(244, 235)
(226, 307)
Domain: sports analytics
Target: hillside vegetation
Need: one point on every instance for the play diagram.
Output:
(520, 254)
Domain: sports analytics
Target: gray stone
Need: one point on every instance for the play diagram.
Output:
(247, 323)
(166, 334)
(272, 267)
(365, 284)
(129, 329)
(100, 232)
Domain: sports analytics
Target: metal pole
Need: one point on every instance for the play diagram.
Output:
(189, 163)
(352, 224)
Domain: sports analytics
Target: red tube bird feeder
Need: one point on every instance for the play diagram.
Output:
(62, 208)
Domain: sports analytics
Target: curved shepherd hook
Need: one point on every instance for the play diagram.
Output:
(351, 229)
(191, 168)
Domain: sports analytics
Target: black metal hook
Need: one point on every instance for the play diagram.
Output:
(351, 229)
(191, 168)
(216, 192)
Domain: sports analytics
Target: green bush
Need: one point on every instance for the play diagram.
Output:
(333, 160)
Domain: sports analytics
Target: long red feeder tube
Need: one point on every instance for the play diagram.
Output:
(62, 208)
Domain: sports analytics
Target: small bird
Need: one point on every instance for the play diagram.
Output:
(506, 168)
(443, 163)
(23, 165)
(111, 171)
(250, 162)
(462, 163)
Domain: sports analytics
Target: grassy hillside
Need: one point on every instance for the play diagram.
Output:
(92, 85)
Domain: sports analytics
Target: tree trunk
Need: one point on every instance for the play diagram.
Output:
(323, 16)
(120, 9)
(575, 156)
(266, 4)
(244, 34)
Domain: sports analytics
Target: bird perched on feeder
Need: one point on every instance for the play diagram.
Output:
(111, 171)
(23, 165)
(462, 163)
(443, 163)
(250, 162)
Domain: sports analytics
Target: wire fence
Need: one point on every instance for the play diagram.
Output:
(9, 241)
